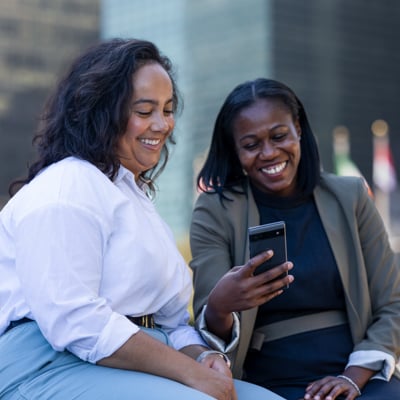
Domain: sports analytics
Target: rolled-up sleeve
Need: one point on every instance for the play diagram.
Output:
(382, 363)
(214, 341)
(59, 260)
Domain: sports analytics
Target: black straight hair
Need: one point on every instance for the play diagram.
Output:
(222, 170)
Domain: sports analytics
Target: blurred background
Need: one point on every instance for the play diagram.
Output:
(341, 58)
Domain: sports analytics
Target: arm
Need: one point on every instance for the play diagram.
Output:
(61, 272)
(143, 353)
(378, 279)
(224, 289)
(383, 274)
(239, 289)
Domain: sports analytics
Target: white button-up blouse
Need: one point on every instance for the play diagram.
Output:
(78, 252)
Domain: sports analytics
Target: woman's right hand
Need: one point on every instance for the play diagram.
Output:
(214, 383)
(141, 352)
(239, 289)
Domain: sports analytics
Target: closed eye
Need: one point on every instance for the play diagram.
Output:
(279, 136)
(250, 146)
(143, 113)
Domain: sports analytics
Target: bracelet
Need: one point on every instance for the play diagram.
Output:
(204, 354)
(352, 383)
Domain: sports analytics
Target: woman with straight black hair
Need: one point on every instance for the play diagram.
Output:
(94, 293)
(222, 169)
(325, 324)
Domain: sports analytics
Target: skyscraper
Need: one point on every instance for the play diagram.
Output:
(37, 39)
(340, 57)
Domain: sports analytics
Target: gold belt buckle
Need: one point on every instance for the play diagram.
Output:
(147, 321)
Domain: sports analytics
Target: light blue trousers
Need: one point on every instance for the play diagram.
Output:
(31, 369)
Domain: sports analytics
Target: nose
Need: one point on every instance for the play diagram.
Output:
(268, 151)
(160, 123)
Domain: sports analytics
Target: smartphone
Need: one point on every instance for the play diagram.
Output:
(269, 237)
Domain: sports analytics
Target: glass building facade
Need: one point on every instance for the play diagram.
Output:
(340, 57)
(214, 45)
(37, 39)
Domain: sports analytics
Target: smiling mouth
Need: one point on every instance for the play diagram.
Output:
(151, 142)
(275, 169)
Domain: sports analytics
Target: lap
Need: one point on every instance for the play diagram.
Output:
(247, 391)
(96, 382)
(87, 381)
(33, 370)
(376, 389)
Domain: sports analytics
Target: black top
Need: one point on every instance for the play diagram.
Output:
(309, 250)
(317, 287)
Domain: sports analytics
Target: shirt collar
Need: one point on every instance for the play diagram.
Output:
(122, 173)
(126, 175)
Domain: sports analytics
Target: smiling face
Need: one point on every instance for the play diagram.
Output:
(151, 120)
(267, 141)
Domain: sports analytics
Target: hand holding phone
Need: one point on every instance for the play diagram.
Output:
(265, 237)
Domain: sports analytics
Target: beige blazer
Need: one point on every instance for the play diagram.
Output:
(368, 268)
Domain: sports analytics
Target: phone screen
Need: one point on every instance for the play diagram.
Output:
(268, 237)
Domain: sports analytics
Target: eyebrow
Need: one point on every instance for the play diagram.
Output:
(252, 134)
(150, 101)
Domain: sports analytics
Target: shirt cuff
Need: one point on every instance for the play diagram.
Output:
(213, 340)
(375, 360)
(185, 336)
(117, 332)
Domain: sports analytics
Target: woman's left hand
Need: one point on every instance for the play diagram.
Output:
(330, 388)
(348, 385)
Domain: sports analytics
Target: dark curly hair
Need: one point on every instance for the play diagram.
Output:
(90, 107)
(222, 170)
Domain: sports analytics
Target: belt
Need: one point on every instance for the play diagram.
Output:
(146, 321)
(13, 324)
(294, 326)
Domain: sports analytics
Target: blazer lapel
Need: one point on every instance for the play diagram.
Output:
(334, 223)
(248, 317)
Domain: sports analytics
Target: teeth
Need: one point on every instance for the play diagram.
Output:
(275, 169)
(152, 142)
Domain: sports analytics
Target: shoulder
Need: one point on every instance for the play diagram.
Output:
(229, 199)
(332, 180)
(68, 184)
(73, 172)
(349, 191)
(228, 216)
(344, 185)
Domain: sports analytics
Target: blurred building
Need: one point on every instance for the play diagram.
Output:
(214, 45)
(340, 57)
(37, 39)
